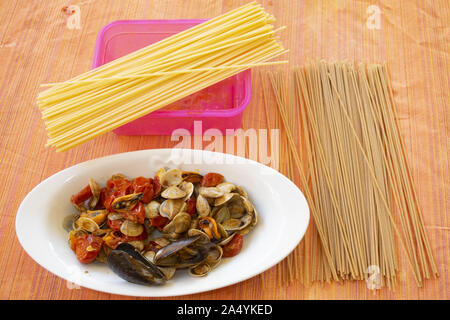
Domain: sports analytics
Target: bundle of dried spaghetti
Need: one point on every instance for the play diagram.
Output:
(356, 179)
(146, 80)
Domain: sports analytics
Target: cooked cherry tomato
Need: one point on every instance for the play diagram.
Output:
(211, 179)
(113, 239)
(144, 186)
(122, 185)
(115, 188)
(114, 225)
(156, 186)
(81, 196)
(87, 247)
(191, 206)
(159, 222)
(137, 215)
(233, 247)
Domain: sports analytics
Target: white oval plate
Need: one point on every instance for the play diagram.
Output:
(283, 211)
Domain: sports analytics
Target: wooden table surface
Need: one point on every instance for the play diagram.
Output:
(38, 45)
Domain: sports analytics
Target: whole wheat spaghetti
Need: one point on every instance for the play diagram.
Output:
(355, 175)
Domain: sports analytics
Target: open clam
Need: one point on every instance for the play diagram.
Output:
(180, 254)
(172, 177)
(203, 207)
(179, 224)
(86, 224)
(212, 259)
(99, 216)
(211, 192)
(173, 192)
(95, 189)
(151, 209)
(187, 187)
(171, 207)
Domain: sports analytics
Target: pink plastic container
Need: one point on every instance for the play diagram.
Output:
(219, 106)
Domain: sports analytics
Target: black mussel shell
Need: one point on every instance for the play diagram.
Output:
(129, 264)
(173, 248)
(172, 255)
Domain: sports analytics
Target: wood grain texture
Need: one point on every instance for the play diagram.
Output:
(36, 46)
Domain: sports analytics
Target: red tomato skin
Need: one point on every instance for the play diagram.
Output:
(82, 243)
(114, 225)
(115, 188)
(81, 196)
(211, 179)
(156, 187)
(144, 186)
(233, 247)
(121, 185)
(159, 222)
(191, 208)
(137, 215)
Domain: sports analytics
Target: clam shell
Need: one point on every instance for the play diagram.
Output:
(173, 192)
(226, 187)
(202, 205)
(227, 239)
(99, 216)
(180, 223)
(161, 241)
(139, 245)
(211, 192)
(187, 187)
(129, 228)
(173, 177)
(203, 239)
(223, 214)
(241, 191)
(95, 189)
(200, 270)
(151, 209)
(87, 224)
(171, 207)
(237, 210)
(247, 204)
(225, 198)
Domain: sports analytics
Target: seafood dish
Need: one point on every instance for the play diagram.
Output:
(145, 229)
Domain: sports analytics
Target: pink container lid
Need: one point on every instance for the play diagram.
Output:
(219, 106)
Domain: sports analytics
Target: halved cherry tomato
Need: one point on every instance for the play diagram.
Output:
(137, 215)
(191, 206)
(115, 188)
(114, 225)
(113, 239)
(156, 186)
(233, 247)
(87, 247)
(211, 179)
(122, 185)
(81, 196)
(144, 186)
(159, 222)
